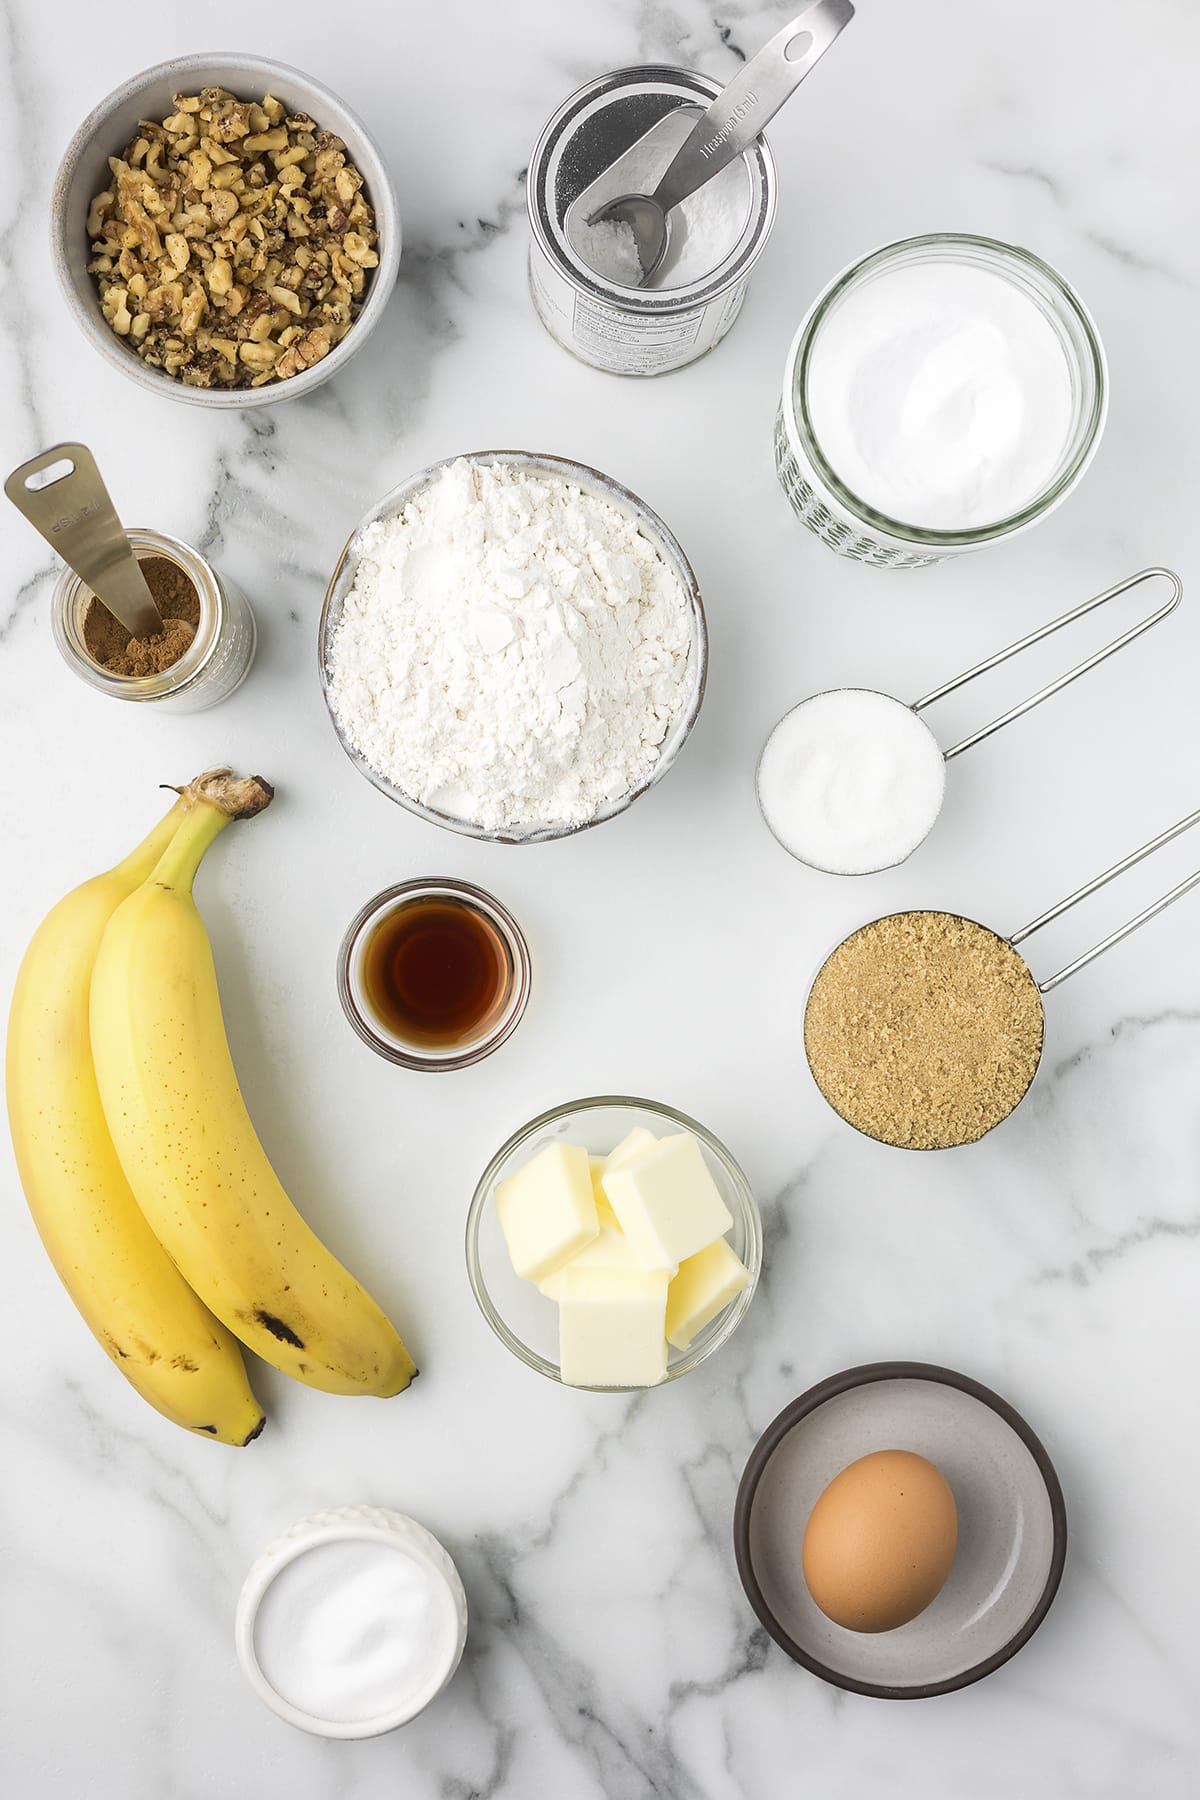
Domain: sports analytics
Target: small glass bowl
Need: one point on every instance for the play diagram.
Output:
(524, 1320)
(370, 1027)
(651, 526)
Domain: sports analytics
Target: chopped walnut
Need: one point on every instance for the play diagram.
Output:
(234, 243)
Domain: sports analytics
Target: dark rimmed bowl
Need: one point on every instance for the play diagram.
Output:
(1012, 1540)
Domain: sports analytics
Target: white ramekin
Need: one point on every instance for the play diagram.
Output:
(84, 172)
(364, 1524)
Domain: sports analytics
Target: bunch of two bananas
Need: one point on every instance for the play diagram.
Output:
(147, 1183)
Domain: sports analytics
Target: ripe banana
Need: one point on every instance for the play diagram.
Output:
(186, 1143)
(161, 1337)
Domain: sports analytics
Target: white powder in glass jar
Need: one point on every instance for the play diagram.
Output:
(513, 650)
(941, 394)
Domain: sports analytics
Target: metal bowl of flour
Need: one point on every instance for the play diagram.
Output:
(651, 527)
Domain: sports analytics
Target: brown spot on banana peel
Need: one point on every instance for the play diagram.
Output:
(278, 1328)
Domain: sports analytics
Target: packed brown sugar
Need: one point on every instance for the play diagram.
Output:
(924, 1030)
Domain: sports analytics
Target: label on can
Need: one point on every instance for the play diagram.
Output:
(623, 342)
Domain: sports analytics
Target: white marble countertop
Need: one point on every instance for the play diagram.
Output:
(612, 1652)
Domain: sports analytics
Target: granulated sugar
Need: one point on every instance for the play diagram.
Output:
(513, 650)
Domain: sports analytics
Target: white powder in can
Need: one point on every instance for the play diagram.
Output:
(513, 650)
(851, 781)
(705, 228)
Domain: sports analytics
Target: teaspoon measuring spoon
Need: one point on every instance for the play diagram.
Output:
(732, 122)
(75, 515)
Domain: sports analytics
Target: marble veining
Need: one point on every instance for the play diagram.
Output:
(612, 1654)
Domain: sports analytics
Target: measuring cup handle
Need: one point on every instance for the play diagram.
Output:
(1090, 887)
(1045, 631)
(753, 97)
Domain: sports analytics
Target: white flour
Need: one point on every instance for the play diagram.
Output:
(513, 650)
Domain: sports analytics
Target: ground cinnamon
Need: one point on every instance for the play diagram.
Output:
(109, 644)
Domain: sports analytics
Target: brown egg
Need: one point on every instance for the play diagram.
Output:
(880, 1541)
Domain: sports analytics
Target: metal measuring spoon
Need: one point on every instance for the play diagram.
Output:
(733, 121)
(74, 514)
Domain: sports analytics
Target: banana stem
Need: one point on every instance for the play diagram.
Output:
(210, 803)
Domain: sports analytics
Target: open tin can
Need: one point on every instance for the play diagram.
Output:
(633, 330)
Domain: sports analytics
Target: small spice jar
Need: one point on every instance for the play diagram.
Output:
(210, 667)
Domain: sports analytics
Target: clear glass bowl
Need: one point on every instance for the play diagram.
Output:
(524, 1320)
(499, 1026)
(664, 541)
(847, 523)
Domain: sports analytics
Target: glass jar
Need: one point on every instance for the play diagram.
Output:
(847, 523)
(215, 663)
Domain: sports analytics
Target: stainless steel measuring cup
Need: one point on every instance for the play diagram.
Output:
(915, 745)
(875, 1050)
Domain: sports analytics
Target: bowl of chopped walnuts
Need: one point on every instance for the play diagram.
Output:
(225, 230)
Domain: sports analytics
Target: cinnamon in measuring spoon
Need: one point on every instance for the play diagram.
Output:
(109, 644)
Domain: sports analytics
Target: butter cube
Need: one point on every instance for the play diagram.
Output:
(547, 1211)
(667, 1202)
(612, 1328)
(704, 1286)
(635, 1144)
(610, 1250)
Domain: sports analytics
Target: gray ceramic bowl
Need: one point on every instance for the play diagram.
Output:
(84, 173)
(1012, 1527)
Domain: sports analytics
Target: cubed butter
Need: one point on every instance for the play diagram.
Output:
(612, 1328)
(704, 1286)
(610, 1250)
(547, 1211)
(636, 1143)
(667, 1202)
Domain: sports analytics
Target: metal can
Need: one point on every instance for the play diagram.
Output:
(632, 330)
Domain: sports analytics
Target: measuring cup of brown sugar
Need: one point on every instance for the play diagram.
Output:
(203, 652)
(434, 974)
(925, 1029)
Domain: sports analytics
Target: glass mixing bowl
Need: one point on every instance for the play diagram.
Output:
(652, 527)
(524, 1320)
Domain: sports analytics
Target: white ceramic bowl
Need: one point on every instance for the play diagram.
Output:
(362, 1524)
(84, 173)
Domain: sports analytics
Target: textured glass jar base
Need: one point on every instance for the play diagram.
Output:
(847, 540)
